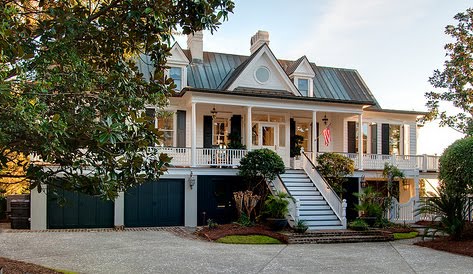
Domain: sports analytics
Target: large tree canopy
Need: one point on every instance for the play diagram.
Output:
(71, 93)
(456, 78)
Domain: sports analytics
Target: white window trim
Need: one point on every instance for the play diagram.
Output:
(311, 84)
(183, 74)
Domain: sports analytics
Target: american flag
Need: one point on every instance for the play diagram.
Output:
(327, 137)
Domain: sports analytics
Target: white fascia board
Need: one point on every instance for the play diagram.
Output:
(265, 50)
(274, 103)
(178, 57)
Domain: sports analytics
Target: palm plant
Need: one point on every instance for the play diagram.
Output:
(448, 209)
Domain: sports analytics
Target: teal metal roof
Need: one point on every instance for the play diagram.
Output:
(337, 84)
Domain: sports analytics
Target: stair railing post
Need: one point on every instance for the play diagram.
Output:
(344, 213)
(298, 205)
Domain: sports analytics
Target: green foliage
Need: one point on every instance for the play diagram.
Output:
(455, 81)
(235, 141)
(392, 174)
(276, 206)
(408, 235)
(334, 168)
(456, 166)
(383, 223)
(370, 203)
(300, 226)
(244, 220)
(212, 224)
(296, 145)
(358, 224)
(248, 239)
(261, 163)
(71, 92)
(448, 207)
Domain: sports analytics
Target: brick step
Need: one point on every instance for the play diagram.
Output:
(340, 239)
(341, 233)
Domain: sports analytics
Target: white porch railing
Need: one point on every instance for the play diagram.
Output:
(376, 161)
(331, 197)
(219, 157)
(294, 203)
(180, 156)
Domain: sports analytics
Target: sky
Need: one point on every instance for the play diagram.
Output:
(394, 45)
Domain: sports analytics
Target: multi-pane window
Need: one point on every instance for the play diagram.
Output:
(220, 131)
(303, 86)
(365, 137)
(166, 126)
(394, 139)
(176, 74)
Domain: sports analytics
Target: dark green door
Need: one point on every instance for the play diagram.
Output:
(215, 198)
(157, 203)
(78, 210)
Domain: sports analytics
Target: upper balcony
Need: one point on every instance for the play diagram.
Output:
(221, 157)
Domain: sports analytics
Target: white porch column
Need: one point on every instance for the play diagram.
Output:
(417, 196)
(314, 133)
(190, 201)
(248, 128)
(360, 141)
(39, 209)
(119, 211)
(193, 135)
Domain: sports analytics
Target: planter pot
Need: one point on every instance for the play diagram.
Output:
(276, 224)
(369, 220)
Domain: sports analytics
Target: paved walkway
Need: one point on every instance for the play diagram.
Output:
(167, 252)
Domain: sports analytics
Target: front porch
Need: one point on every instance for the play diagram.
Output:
(224, 157)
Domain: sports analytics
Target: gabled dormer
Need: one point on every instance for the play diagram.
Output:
(302, 74)
(177, 64)
(261, 70)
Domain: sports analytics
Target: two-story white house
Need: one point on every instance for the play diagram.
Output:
(225, 105)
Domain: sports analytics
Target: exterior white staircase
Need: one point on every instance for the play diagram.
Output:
(312, 207)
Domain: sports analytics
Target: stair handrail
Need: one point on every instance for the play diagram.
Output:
(294, 203)
(331, 197)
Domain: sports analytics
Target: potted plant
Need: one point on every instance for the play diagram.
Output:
(295, 151)
(301, 226)
(276, 208)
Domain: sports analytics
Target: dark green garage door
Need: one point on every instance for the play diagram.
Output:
(158, 203)
(78, 210)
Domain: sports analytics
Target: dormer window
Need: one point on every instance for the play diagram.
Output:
(176, 74)
(303, 86)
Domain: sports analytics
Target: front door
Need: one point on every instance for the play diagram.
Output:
(271, 136)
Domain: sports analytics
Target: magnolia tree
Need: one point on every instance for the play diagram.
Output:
(455, 80)
(71, 92)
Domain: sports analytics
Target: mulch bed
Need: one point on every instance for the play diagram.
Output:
(236, 229)
(463, 247)
(17, 267)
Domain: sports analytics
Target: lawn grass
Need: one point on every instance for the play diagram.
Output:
(408, 235)
(248, 239)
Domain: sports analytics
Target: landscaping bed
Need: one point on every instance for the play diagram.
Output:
(17, 267)
(463, 247)
(213, 234)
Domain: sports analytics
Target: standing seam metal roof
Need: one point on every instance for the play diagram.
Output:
(219, 69)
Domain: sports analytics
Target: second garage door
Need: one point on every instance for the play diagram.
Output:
(157, 203)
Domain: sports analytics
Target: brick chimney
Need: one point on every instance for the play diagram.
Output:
(258, 40)
(195, 43)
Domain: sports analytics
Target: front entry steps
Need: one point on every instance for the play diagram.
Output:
(340, 236)
(313, 209)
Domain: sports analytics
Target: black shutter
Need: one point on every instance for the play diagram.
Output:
(317, 129)
(208, 131)
(385, 138)
(181, 128)
(374, 139)
(236, 125)
(292, 132)
(151, 113)
(351, 137)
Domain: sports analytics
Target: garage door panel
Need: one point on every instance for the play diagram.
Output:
(78, 211)
(158, 203)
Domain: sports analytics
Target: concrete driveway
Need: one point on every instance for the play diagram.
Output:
(165, 252)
